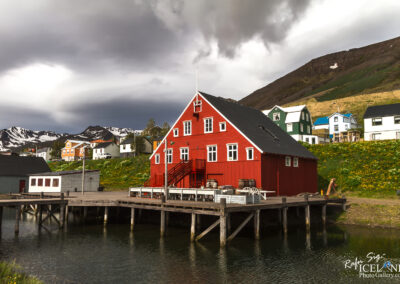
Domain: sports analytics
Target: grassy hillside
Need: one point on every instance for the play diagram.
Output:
(356, 104)
(366, 169)
(119, 173)
(10, 273)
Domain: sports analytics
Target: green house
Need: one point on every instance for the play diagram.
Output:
(295, 120)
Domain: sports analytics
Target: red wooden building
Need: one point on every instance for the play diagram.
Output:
(217, 139)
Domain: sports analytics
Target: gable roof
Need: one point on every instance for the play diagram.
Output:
(338, 113)
(258, 128)
(322, 121)
(22, 166)
(63, 173)
(103, 145)
(127, 141)
(293, 113)
(382, 110)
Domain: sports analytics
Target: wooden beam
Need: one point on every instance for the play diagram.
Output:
(162, 221)
(1, 218)
(132, 219)
(206, 231)
(240, 227)
(284, 215)
(307, 213)
(105, 215)
(323, 214)
(17, 218)
(222, 223)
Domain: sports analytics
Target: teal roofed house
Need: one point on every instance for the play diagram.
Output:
(296, 121)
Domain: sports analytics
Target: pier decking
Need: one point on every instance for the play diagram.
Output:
(52, 202)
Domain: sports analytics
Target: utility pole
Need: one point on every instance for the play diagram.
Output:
(83, 170)
(166, 170)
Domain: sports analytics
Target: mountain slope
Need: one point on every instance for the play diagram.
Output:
(369, 69)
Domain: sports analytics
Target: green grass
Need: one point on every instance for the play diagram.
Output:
(10, 273)
(118, 173)
(364, 169)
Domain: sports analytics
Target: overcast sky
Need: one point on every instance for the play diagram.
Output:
(67, 64)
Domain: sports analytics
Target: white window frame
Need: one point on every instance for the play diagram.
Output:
(302, 115)
(176, 132)
(276, 115)
(250, 150)
(296, 162)
(187, 131)
(197, 103)
(397, 119)
(289, 127)
(208, 127)
(181, 150)
(377, 121)
(228, 151)
(336, 127)
(288, 161)
(335, 119)
(222, 129)
(308, 129)
(212, 152)
(376, 136)
(170, 156)
(157, 158)
(301, 127)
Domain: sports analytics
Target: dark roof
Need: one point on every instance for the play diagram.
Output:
(381, 111)
(22, 166)
(103, 145)
(128, 141)
(63, 173)
(259, 129)
(41, 150)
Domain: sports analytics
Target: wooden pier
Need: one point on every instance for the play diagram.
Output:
(222, 211)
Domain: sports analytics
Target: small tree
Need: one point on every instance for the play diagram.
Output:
(56, 149)
(165, 129)
(138, 145)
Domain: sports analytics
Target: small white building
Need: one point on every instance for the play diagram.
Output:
(341, 122)
(382, 122)
(102, 149)
(44, 153)
(126, 150)
(64, 181)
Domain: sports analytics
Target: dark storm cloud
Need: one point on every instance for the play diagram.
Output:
(124, 112)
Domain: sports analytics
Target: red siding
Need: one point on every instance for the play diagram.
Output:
(264, 168)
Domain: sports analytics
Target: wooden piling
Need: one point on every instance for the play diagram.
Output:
(257, 224)
(222, 223)
(228, 223)
(162, 217)
(85, 212)
(62, 212)
(105, 215)
(198, 222)
(193, 228)
(323, 214)
(17, 219)
(284, 215)
(132, 219)
(40, 215)
(1, 218)
(307, 213)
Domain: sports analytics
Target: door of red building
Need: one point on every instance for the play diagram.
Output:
(22, 185)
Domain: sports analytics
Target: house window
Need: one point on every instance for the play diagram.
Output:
(335, 119)
(397, 119)
(336, 127)
(169, 156)
(308, 129)
(308, 140)
(288, 161)
(302, 115)
(187, 128)
(313, 140)
(276, 116)
(376, 136)
(222, 126)
(301, 127)
(157, 158)
(289, 127)
(295, 162)
(184, 154)
(377, 121)
(124, 147)
(47, 182)
(33, 182)
(346, 126)
(232, 152)
(250, 153)
(212, 153)
(197, 106)
(397, 135)
(208, 125)
(307, 117)
(40, 182)
(56, 182)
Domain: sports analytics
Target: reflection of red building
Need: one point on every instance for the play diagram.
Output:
(217, 139)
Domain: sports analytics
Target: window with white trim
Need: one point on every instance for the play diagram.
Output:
(288, 161)
(212, 153)
(250, 153)
(295, 162)
(336, 127)
(302, 115)
(222, 126)
(276, 116)
(169, 156)
(208, 125)
(308, 129)
(187, 127)
(397, 119)
(232, 152)
(335, 119)
(176, 132)
(157, 158)
(301, 127)
(377, 121)
(197, 106)
(289, 127)
(184, 154)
